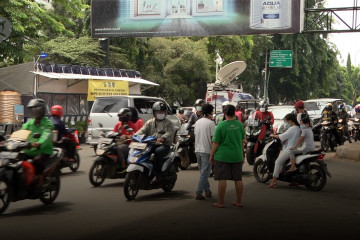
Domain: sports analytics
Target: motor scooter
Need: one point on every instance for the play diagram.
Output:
(355, 131)
(140, 170)
(311, 168)
(255, 145)
(18, 180)
(107, 164)
(186, 150)
(327, 137)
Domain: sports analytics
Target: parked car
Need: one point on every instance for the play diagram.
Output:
(314, 107)
(105, 109)
(279, 113)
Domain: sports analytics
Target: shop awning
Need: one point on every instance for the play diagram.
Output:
(53, 75)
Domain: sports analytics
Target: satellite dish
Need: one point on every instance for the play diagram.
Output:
(226, 74)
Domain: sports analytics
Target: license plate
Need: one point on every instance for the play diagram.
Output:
(100, 151)
(9, 155)
(252, 122)
(137, 145)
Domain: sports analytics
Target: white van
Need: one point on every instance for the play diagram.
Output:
(104, 112)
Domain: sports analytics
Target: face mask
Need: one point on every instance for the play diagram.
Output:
(160, 116)
(199, 108)
(287, 125)
(262, 109)
(123, 119)
(302, 126)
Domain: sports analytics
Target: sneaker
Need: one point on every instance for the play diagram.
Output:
(199, 197)
(208, 194)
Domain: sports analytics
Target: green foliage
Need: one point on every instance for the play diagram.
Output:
(81, 126)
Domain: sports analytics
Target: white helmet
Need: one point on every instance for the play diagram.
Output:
(225, 103)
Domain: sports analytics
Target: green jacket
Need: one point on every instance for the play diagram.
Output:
(45, 128)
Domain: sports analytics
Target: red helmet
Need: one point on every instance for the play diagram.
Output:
(57, 110)
(299, 104)
(357, 108)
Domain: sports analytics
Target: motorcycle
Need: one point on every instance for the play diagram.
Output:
(106, 165)
(327, 137)
(255, 145)
(341, 131)
(140, 170)
(186, 150)
(355, 129)
(311, 168)
(64, 162)
(17, 174)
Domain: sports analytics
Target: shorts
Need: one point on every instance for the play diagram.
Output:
(228, 171)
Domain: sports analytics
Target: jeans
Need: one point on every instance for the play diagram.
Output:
(204, 165)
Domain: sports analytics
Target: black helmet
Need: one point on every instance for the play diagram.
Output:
(126, 112)
(159, 106)
(199, 102)
(37, 107)
(329, 106)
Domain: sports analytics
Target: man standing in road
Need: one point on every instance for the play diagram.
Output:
(204, 131)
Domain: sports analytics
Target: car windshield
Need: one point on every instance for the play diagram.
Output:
(109, 105)
(312, 106)
(279, 112)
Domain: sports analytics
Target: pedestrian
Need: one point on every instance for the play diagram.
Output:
(227, 155)
(204, 131)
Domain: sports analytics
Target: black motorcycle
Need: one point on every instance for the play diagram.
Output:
(17, 175)
(311, 168)
(341, 126)
(327, 137)
(106, 165)
(355, 132)
(186, 150)
(254, 145)
(64, 162)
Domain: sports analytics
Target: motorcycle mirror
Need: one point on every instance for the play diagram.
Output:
(36, 135)
(100, 125)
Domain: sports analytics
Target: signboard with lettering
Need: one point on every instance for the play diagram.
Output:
(106, 88)
(281, 58)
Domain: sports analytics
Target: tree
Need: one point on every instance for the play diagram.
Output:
(33, 24)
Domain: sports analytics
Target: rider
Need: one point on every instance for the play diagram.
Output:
(266, 117)
(161, 128)
(221, 116)
(42, 147)
(329, 115)
(299, 110)
(345, 119)
(197, 114)
(62, 131)
(125, 123)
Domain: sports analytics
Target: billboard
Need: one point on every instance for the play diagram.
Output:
(106, 88)
(165, 18)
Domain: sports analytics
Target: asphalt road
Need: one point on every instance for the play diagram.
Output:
(85, 212)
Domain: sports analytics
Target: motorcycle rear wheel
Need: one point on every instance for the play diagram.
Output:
(52, 190)
(75, 166)
(131, 188)
(5, 189)
(319, 180)
(250, 156)
(169, 186)
(97, 173)
(261, 171)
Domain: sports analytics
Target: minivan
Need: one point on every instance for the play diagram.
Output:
(103, 114)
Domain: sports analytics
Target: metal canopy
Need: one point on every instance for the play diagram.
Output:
(53, 75)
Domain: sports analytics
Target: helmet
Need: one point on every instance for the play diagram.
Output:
(159, 106)
(57, 110)
(126, 113)
(329, 106)
(357, 108)
(341, 107)
(263, 106)
(225, 103)
(299, 104)
(37, 107)
(199, 102)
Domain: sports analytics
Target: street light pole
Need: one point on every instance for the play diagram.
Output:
(265, 76)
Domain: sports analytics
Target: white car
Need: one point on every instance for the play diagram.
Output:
(279, 113)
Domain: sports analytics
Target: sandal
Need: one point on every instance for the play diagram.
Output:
(199, 197)
(237, 204)
(218, 205)
(208, 194)
(272, 185)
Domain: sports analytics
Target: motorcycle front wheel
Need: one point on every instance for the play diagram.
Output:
(131, 188)
(250, 156)
(51, 187)
(75, 166)
(318, 178)
(97, 173)
(324, 141)
(184, 161)
(4, 194)
(169, 186)
(261, 171)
